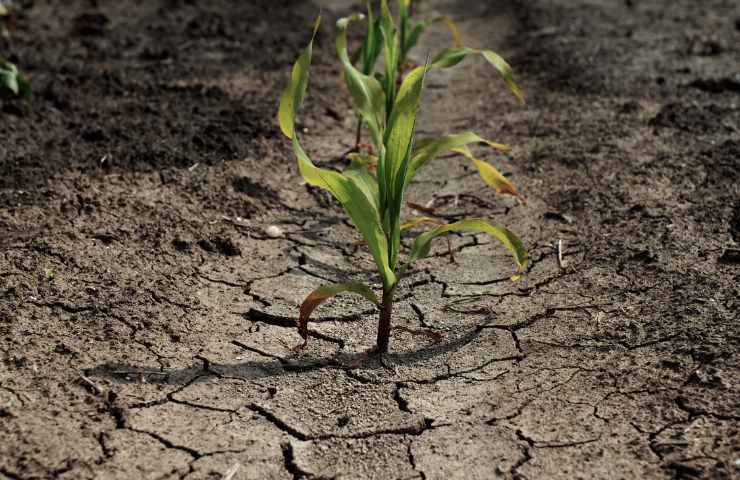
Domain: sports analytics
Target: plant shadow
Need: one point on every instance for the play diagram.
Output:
(276, 366)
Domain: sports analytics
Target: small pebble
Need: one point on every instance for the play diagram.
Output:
(274, 231)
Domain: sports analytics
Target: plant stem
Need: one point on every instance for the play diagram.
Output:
(358, 135)
(384, 325)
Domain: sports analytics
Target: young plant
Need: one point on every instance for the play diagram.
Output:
(372, 188)
(12, 82)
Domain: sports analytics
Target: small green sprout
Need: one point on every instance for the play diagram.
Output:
(372, 188)
(49, 274)
(12, 82)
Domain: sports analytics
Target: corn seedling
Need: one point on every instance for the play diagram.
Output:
(371, 189)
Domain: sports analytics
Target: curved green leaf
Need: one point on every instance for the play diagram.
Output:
(365, 181)
(404, 15)
(399, 145)
(429, 149)
(412, 35)
(9, 77)
(357, 202)
(423, 242)
(292, 96)
(401, 125)
(322, 294)
(367, 93)
(12, 81)
(491, 175)
(360, 206)
(505, 70)
(370, 50)
(391, 52)
(452, 56)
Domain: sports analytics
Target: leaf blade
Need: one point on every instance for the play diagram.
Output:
(367, 93)
(292, 97)
(324, 293)
(491, 175)
(392, 39)
(429, 149)
(399, 143)
(506, 72)
(9, 77)
(370, 50)
(422, 244)
(360, 206)
(450, 57)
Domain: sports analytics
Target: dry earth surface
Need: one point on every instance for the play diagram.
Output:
(146, 319)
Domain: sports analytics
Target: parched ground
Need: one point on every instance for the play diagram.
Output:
(146, 318)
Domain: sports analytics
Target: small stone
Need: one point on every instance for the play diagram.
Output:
(273, 231)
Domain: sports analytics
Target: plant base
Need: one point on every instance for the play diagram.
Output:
(384, 323)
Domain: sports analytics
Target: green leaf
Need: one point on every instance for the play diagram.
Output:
(399, 144)
(360, 206)
(491, 175)
(370, 50)
(12, 81)
(413, 34)
(422, 244)
(505, 70)
(367, 93)
(292, 96)
(401, 125)
(429, 149)
(391, 51)
(452, 56)
(411, 38)
(404, 15)
(365, 181)
(322, 294)
(9, 78)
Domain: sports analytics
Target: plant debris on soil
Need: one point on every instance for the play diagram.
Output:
(148, 308)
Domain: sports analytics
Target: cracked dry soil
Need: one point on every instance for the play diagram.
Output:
(146, 320)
